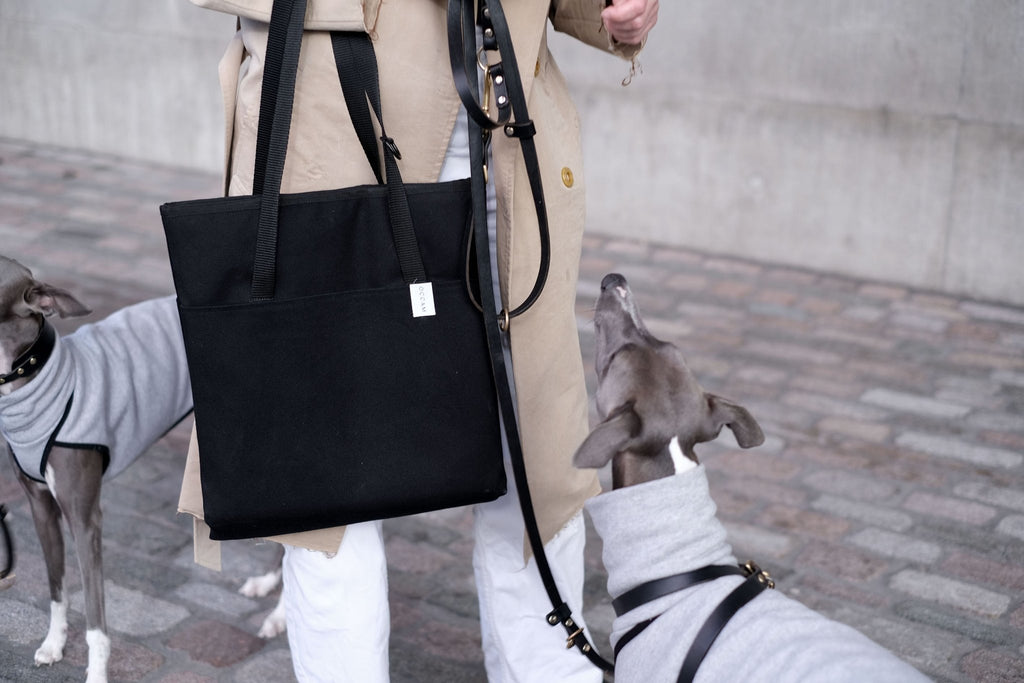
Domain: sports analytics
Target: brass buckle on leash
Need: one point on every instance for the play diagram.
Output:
(751, 568)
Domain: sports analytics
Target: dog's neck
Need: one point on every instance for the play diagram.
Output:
(657, 529)
(630, 469)
(26, 361)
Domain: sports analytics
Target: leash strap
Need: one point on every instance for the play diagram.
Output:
(462, 51)
(495, 323)
(8, 544)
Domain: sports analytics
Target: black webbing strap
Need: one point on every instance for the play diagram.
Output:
(561, 614)
(283, 43)
(354, 57)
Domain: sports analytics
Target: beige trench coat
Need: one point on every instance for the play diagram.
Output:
(420, 105)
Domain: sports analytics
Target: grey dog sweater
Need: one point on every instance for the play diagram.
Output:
(668, 526)
(115, 387)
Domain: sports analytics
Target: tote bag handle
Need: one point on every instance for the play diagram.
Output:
(355, 58)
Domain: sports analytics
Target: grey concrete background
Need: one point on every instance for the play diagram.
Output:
(882, 139)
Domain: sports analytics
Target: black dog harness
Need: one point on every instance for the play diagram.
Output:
(757, 581)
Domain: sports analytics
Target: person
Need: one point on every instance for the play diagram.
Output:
(335, 580)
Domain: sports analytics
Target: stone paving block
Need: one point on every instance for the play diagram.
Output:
(848, 485)
(889, 544)
(273, 665)
(990, 666)
(948, 447)
(956, 622)
(22, 624)
(1012, 525)
(910, 403)
(874, 515)
(983, 570)
(960, 510)
(950, 592)
(134, 612)
(228, 603)
(993, 495)
(215, 643)
(826, 405)
(856, 429)
(843, 562)
(753, 542)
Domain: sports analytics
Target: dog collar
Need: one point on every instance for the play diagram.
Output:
(30, 362)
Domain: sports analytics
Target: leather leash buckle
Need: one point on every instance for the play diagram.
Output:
(750, 568)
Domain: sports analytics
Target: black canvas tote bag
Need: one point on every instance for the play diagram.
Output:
(338, 361)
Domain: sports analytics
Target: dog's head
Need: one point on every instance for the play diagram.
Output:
(647, 396)
(24, 302)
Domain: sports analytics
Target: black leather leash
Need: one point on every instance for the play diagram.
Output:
(510, 100)
(757, 581)
(8, 545)
(462, 49)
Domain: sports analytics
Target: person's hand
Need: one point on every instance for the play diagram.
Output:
(629, 21)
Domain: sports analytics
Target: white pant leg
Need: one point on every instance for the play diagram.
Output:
(519, 644)
(337, 609)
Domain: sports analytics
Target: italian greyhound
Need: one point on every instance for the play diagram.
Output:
(684, 607)
(74, 410)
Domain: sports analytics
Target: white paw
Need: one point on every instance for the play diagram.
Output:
(99, 653)
(261, 586)
(275, 624)
(52, 649)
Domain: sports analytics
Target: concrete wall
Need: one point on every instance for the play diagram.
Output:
(131, 77)
(880, 138)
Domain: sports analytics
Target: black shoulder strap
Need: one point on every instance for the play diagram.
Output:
(355, 59)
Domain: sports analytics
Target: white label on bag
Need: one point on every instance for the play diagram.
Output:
(422, 295)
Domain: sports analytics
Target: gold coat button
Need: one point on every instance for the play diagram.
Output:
(536, 69)
(566, 176)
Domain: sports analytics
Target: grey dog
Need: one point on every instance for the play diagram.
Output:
(74, 410)
(662, 540)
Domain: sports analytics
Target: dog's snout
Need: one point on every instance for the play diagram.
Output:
(612, 280)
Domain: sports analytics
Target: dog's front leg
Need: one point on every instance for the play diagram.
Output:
(46, 518)
(75, 478)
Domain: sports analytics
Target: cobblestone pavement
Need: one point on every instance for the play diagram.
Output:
(889, 494)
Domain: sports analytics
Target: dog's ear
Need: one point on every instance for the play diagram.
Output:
(608, 438)
(737, 418)
(49, 300)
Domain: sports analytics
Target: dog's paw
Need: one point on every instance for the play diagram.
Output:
(50, 652)
(52, 649)
(261, 586)
(275, 624)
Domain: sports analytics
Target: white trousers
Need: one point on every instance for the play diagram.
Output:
(337, 607)
(338, 618)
